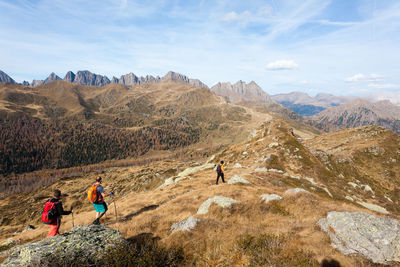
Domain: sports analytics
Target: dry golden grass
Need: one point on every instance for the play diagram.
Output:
(142, 208)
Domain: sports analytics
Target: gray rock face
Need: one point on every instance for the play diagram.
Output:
(223, 202)
(36, 82)
(5, 78)
(177, 77)
(52, 77)
(81, 242)
(242, 91)
(87, 78)
(376, 238)
(114, 80)
(129, 79)
(185, 225)
(69, 77)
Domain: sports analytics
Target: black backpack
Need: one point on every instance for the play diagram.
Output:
(219, 168)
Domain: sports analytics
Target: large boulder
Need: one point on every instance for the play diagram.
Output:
(223, 202)
(185, 225)
(82, 242)
(237, 179)
(376, 238)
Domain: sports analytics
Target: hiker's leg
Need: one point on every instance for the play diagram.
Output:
(98, 215)
(217, 178)
(53, 231)
(222, 177)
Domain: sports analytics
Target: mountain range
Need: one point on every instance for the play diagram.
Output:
(357, 113)
(86, 77)
(306, 105)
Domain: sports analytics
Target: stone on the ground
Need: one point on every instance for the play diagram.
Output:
(296, 191)
(236, 179)
(349, 198)
(270, 197)
(185, 225)
(223, 202)
(311, 180)
(376, 238)
(82, 242)
(9, 242)
(373, 207)
(273, 144)
(261, 169)
(237, 165)
(28, 228)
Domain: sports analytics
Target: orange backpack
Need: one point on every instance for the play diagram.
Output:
(92, 193)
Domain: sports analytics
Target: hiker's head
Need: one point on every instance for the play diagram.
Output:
(98, 179)
(222, 162)
(57, 193)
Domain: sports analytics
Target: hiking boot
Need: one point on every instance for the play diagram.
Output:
(96, 222)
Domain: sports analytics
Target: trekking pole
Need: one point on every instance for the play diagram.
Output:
(73, 225)
(115, 208)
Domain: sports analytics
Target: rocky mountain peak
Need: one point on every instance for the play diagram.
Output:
(52, 77)
(86, 77)
(241, 91)
(69, 77)
(5, 78)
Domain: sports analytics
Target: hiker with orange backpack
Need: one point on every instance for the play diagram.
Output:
(52, 213)
(96, 195)
(220, 171)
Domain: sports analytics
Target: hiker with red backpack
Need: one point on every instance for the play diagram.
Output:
(52, 213)
(96, 195)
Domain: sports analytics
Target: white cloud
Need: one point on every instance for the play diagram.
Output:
(365, 78)
(282, 65)
(383, 86)
(243, 17)
(392, 97)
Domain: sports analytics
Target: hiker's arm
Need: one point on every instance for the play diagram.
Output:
(61, 211)
(106, 195)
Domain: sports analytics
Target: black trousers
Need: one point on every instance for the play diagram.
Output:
(220, 174)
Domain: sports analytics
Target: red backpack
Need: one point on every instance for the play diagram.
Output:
(49, 213)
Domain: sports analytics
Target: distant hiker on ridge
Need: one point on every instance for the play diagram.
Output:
(96, 195)
(220, 171)
(52, 213)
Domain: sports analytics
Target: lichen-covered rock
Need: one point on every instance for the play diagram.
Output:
(236, 179)
(376, 238)
(261, 169)
(373, 207)
(185, 225)
(296, 191)
(237, 165)
(270, 197)
(223, 202)
(81, 242)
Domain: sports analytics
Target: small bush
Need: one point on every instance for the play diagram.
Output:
(271, 250)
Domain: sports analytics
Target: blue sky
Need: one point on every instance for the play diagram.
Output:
(343, 47)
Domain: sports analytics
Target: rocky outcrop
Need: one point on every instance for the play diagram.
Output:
(185, 225)
(296, 191)
(241, 91)
(36, 83)
(270, 197)
(237, 179)
(373, 207)
(376, 238)
(223, 202)
(87, 78)
(177, 77)
(69, 77)
(87, 242)
(52, 77)
(5, 78)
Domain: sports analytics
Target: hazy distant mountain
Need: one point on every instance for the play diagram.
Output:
(359, 113)
(5, 78)
(306, 105)
(241, 91)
